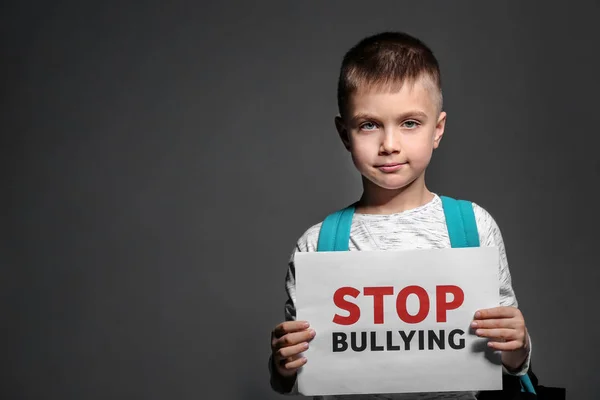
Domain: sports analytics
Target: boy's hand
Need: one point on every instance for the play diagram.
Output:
(505, 327)
(288, 340)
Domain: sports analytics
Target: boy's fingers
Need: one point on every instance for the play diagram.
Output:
(494, 323)
(294, 364)
(504, 346)
(507, 334)
(294, 338)
(496, 312)
(288, 327)
(292, 351)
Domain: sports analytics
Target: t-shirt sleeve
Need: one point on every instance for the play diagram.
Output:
(290, 290)
(307, 243)
(490, 236)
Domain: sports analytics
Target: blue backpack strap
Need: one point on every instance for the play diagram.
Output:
(335, 231)
(527, 385)
(460, 221)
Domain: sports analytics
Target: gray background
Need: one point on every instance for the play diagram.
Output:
(160, 161)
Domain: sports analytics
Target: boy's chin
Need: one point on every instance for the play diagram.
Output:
(388, 184)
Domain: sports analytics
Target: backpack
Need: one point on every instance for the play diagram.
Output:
(334, 235)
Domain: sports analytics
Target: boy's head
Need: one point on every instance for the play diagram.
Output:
(390, 104)
(387, 61)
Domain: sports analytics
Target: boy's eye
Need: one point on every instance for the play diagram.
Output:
(368, 126)
(411, 124)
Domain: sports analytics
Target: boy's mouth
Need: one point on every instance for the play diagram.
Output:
(390, 167)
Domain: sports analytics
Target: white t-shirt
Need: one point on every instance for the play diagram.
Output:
(423, 227)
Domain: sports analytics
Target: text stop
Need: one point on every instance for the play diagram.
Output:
(442, 305)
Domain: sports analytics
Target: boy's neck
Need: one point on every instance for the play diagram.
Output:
(376, 200)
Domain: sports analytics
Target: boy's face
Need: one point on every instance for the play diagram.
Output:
(392, 135)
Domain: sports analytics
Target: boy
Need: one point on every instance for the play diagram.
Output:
(391, 120)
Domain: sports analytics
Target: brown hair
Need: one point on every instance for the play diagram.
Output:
(386, 61)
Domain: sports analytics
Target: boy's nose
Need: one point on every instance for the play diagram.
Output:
(389, 143)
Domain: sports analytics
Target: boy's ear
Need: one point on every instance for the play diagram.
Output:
(439, 129)
(343, 132)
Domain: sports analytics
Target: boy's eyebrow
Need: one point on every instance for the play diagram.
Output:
(412, 113)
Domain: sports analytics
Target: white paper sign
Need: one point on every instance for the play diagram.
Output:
(402, 320)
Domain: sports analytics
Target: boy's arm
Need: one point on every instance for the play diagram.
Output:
(306, 243)
(281, 384)
(490, 235)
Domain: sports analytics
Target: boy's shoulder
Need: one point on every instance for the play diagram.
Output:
(309, 239)
(489, 231)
